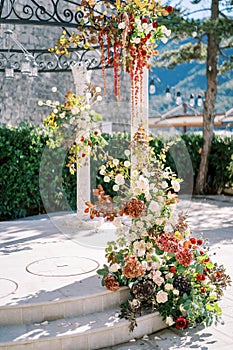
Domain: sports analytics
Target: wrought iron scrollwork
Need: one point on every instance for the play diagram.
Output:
(48, 62)
(44, 12)
(58, 13)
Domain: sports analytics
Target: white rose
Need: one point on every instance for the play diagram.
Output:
(88, 95)
(162, 297)
(115, 188)
(140, 224)
(168, 286)
(98, 89)
(126, 163)
(154, 206)
(127, 152)
(136, 190)
(99, 98)
(74, 110)
(114, 267)
(175, 185)
(119, 179)
(142, 182)
(121, 25)
(155, 265)
(176, 292)
(164, 184)
(158, 280)
(135, 173)
(139, 248)
(106, 179)
(115, 161)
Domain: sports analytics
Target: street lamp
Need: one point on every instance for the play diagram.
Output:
(9, 71)
(28, 64)
(152, 87)
(192, 100)
(178, 98)
(199, 101)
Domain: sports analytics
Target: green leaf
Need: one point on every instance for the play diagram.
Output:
(210, 265)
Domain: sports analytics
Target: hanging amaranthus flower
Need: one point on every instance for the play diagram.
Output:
(132, 26)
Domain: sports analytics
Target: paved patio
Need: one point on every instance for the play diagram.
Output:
(45, 258)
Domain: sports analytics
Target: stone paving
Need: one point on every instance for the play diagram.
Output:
(35, 266)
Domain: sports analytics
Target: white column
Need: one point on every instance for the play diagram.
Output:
(141, 114)
(81, 79)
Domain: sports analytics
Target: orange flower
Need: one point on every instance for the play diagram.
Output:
(111, 283)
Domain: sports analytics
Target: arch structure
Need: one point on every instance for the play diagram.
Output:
(64, 14)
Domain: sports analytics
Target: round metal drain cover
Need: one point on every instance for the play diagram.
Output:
(7, 287)
(63, 266)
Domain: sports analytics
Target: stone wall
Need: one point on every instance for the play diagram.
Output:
(19, 97)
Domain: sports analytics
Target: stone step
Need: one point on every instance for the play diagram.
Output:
(90, 297)
(89, 332)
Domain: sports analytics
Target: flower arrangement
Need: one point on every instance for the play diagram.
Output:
(75, 119)
(155, 254)
(129, 29)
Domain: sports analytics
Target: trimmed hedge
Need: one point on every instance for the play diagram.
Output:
(23, 151)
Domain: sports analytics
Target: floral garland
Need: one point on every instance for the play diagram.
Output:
(130, 29)
(156, 255)
(75, 120)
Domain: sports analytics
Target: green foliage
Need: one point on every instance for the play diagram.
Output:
(220, 164)
(197, 30)
(21, 151)
(186, 53)
(22, 155)
(116, 145)
(219, 172)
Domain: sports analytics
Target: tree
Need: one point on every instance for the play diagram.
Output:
(212, 37)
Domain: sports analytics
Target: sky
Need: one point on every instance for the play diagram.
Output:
(186, 4)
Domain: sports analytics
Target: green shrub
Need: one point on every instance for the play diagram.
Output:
(21, 150)
(31, 172)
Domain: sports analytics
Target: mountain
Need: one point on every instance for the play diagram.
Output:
(188, 78)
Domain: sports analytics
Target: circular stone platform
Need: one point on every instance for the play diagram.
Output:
(7, 287)
(63, 266)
